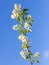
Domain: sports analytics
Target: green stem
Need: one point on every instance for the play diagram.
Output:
(29, 58)
(30, 61)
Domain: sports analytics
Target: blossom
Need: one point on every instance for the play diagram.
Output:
(24, 46)
(23, 54)
(14, 14)
(23, 38)
(16, 27)
(20, 37)
(26, 25)
(16, 11)
(17, 7)
(20, 15)
(36, 55)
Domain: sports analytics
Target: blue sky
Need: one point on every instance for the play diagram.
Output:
(10, 46)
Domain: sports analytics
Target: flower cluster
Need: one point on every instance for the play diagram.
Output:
(25, 21)
(16, 11)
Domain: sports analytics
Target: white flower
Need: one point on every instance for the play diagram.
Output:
(26, 25)
(23, 54)
(29, 17)
(17, 14)
(20, 37)
(16, 27)
(23, 38)
(13, 16)
(14, 11)
(17, 7)
(36, 55)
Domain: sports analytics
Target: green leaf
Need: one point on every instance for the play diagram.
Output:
(29, 30)
(30, 24)
(28, 46)
(26, 9)
(20, 19)
(25, 18)
(32, 20)
(24, 13)
(37, 61)
(26, 57)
